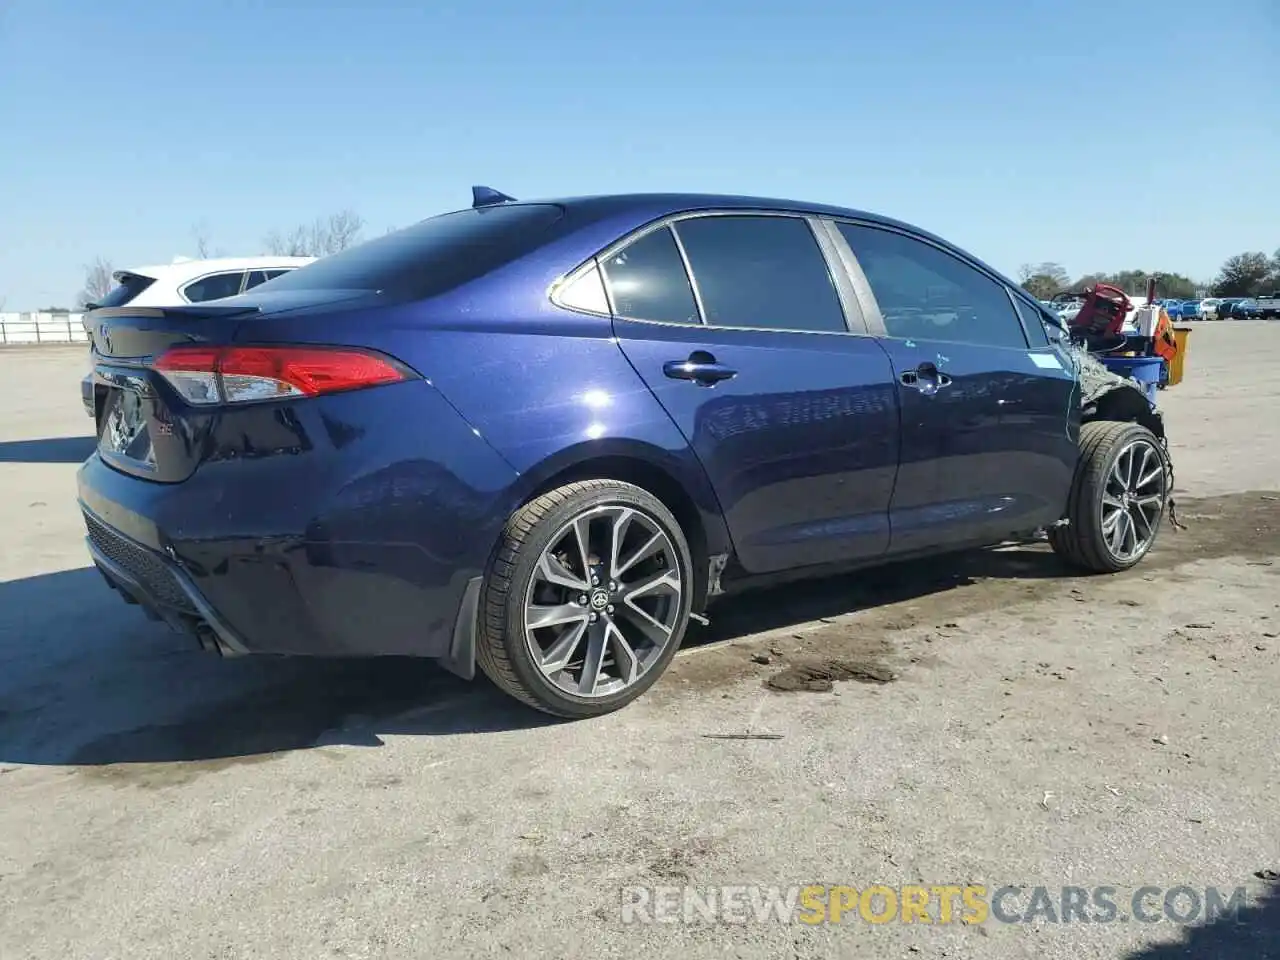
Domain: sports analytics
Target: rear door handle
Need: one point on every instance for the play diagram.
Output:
(700, 367)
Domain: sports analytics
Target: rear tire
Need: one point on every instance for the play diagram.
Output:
(586, 599)
(1117, 500)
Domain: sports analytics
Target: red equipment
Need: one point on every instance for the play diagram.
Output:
(1103, 313)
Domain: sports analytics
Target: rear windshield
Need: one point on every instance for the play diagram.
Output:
(432, 256)
(128, 286)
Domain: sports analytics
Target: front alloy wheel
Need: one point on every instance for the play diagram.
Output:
(1133, 500)
(1117, 499)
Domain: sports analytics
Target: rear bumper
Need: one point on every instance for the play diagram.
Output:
(347, 543)
(269, 604)
(160, 587)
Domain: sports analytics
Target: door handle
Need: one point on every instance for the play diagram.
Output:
(926, 378)
(700, 367)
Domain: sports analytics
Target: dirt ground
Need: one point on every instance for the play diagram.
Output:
(982, 719)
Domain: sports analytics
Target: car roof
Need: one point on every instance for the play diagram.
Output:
(184, 267)
(640, 208)
(665, 204)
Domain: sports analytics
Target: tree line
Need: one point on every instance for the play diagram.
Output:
(1244, 275)
(319, 238)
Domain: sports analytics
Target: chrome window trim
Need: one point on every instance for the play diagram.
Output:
(1017, 312)
(865, 286)
(668, 221)
(688, 274)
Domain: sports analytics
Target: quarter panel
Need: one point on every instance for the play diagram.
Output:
(550, 396)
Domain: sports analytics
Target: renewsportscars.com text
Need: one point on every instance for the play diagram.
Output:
(933, 904)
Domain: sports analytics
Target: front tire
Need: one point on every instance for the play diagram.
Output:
(1117, 499)
(586, 600)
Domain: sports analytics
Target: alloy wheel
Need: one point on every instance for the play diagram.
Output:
(604, 601)
(1133, 499)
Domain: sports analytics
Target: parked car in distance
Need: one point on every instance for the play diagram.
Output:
(1189, 310)
(1247, 309)
(541, 437)
(1068, 309)
(1267, 307)
(184, 281)
(1227, 308)
(1209, 309)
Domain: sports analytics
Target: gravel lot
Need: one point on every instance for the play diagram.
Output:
(1040, 729)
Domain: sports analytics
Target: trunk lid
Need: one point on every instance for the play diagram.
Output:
(143, 428)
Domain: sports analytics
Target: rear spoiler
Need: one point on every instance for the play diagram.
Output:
(192, 310)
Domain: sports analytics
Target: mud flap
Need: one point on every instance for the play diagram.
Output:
(461, 661)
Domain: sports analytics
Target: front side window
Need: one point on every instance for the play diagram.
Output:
(213, 287)
(761, 272)
(926, 293)
(647, 280)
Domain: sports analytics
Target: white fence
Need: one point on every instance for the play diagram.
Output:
(42, 327)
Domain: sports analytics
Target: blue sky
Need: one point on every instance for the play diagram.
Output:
(1012, 127)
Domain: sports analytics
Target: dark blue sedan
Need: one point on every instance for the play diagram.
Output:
(541, 437)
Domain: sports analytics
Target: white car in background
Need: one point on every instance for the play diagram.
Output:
(184, 281)
(1209, 308)
(193, 281)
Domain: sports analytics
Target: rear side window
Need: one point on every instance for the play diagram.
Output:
(585, 292)
(258, 277)
(763, 272)
(213, 287)
(435, 255)
(128, 286)
(648, 281)
(926, 293)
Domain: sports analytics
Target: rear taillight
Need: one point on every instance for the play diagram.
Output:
(210, 375)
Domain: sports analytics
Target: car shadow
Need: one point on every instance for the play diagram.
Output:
(47, 450)
(86, 679)
(1253, 933)
(871, 587)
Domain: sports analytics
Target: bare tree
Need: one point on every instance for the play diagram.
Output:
(293, 244)
(322, 237)
(201, 234)
(342, 231)
(98, 281)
